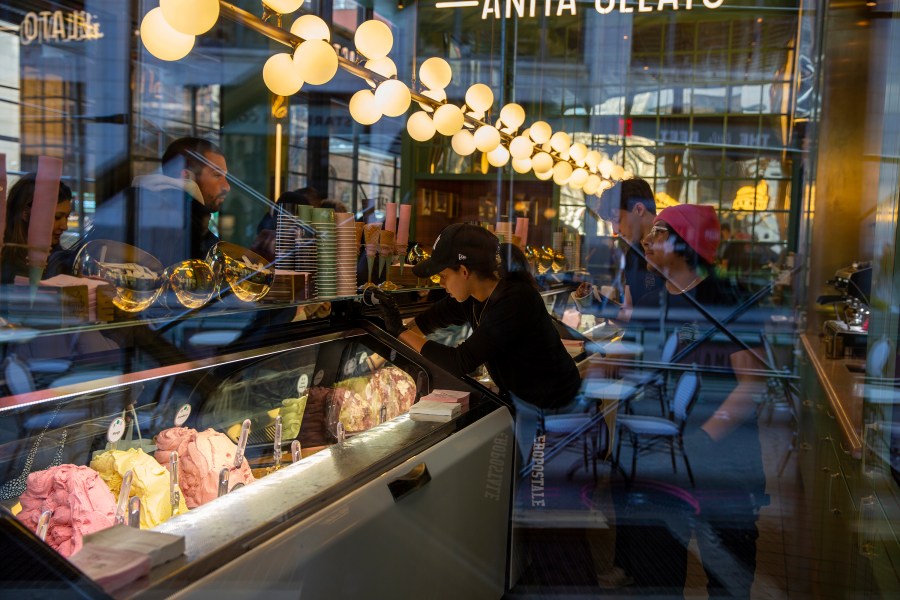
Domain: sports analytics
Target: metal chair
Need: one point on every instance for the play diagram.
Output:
(656, 378)
(658, 429)
(584, 427)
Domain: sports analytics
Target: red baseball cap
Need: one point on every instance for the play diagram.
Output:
(697, 225)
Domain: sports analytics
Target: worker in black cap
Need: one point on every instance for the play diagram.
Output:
(489, 288)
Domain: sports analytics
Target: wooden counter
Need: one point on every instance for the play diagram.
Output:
(843, 387)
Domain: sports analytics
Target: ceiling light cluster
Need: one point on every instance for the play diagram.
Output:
(168, 32)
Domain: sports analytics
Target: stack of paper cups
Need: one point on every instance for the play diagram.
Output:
(522, 230)
(403, 227)
(390, 217)
(346, 254)
(326, 248)
(305, 246)
(286, 225)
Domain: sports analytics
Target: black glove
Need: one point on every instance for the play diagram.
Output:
(375, 297)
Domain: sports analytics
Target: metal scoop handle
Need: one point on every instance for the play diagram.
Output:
(223, 481)
(174, 492)
(242, 444)
(278, 442)
(124, 491)
(43, 524)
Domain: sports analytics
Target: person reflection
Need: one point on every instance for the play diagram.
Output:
(722, 444)
(18, 217)
(42, 360)
(630, 209)
(167, 213)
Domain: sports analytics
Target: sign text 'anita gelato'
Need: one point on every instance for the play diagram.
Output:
(559, 8)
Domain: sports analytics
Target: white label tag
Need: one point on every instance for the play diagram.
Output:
(362, 358)
(302, 384)
(348, 367)
(182, 415)
(116, 430)
(317, 378)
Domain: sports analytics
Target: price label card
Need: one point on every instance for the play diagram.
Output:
(317, 378)
(348, 367)
(182, 415)
(302, 384)
(116, 430)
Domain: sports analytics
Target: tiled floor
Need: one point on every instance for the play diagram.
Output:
(562, 561)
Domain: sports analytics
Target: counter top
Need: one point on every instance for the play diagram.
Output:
(842, 380)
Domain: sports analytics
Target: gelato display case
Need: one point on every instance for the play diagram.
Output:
(292, 466)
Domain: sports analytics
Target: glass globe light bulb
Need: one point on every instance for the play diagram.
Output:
(363, 108)
(311, 27)
(420, 126)
(521, 147)
(281, 75)
(542, 162)
(191, 17)
(161, 39)
(435, 73)
(578, 152)
(487, 138)
(498, 157)
(540, 132)
(316, 61)
(521, 165)
(479, 98)
(463, 142)
(392, 97)
(448, 119)
(562, 171)
(512, 115)
(283, 7)
(373, 39)
(560, 142)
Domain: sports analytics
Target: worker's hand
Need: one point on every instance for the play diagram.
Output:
(583, 290)
(377, 298)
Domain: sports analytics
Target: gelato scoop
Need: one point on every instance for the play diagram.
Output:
(201, 456)
(150, 482)
(80, 501)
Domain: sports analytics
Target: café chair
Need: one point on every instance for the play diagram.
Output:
(657, 379)
(646, 432)
(560, 428)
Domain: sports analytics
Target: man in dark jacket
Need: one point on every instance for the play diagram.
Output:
(167, 213)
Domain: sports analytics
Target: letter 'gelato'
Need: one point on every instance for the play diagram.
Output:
(80, 501)
(150, 482)
(201, 455)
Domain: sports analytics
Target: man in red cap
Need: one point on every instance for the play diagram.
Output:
(723, 445)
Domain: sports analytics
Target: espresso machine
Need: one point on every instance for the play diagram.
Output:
(845, 336)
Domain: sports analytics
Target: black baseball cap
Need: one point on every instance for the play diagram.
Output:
(461, 244)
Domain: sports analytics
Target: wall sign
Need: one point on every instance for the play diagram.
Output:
(522, 9)
(59, 26)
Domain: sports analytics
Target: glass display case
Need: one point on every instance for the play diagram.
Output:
(297, 460)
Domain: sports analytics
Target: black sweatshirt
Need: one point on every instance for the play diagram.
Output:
(514, 336)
